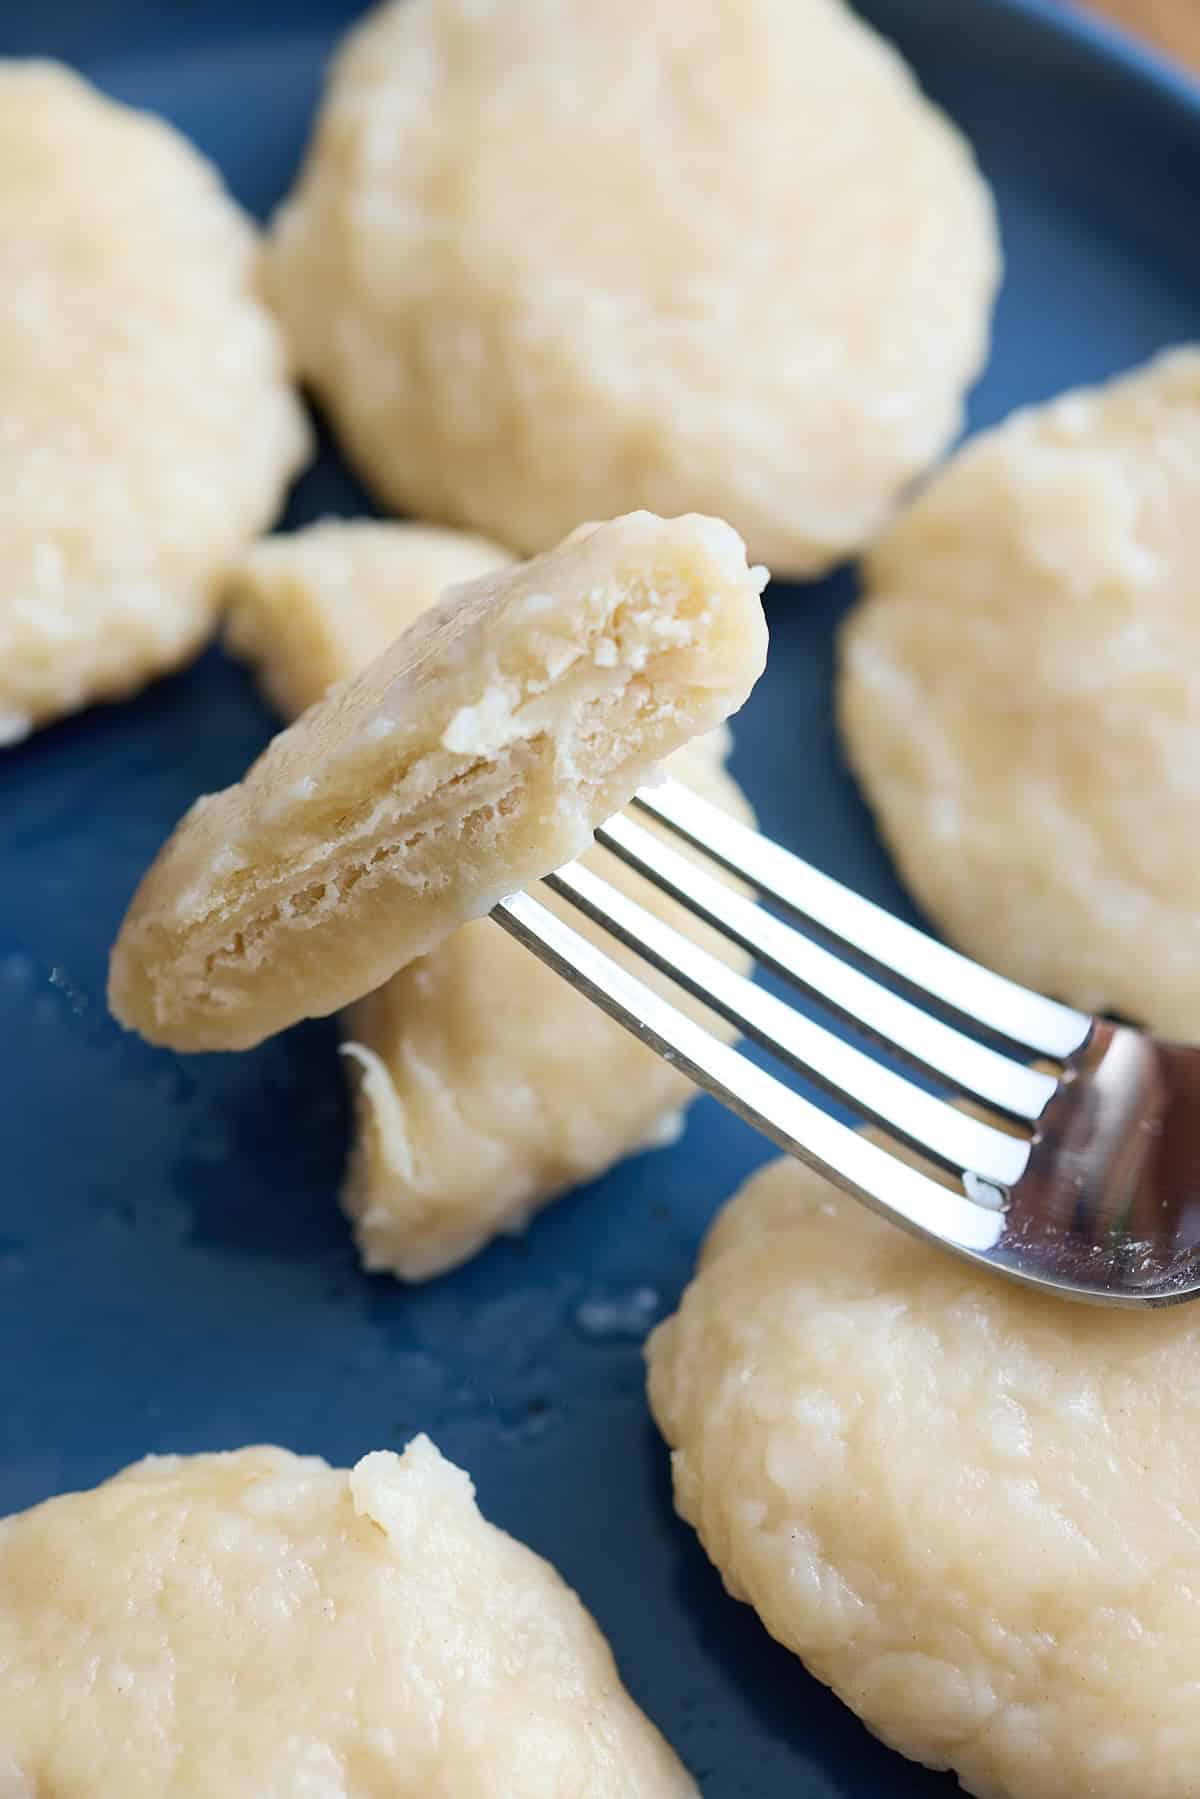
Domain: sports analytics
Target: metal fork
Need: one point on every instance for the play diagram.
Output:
(1081, 1178)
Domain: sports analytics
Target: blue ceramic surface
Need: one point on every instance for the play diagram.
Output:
(174, 1272)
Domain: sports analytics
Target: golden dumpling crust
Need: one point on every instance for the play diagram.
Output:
(557, 260)
(1020, 696)
(258, 1625)
(149, 428)
(968, 1507)
(477, 753)
(484, 1085)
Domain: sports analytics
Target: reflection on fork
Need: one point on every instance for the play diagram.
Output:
(1076, 1167)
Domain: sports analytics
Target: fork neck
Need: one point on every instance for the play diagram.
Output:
(1114, 1177)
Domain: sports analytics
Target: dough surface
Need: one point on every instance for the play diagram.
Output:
(148, 424)
(258, 1625)
(557, 260)
(310, 608)
(476, 754)
(484, 1086)
(972, 1510)
(1020, 696)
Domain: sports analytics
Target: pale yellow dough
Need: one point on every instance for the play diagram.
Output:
(487, 1086)
(258, 1625)
(1020, 696)
(484, 1086)
(310, 608)
(477, 753)
(972, 1510)
(555, 260)
(148, 426)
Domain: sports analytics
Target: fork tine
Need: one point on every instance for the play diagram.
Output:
(960, 986)
(965, 1065)
(937, 1129)
(899, 1192)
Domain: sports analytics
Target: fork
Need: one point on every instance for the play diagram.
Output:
(1075, 1169)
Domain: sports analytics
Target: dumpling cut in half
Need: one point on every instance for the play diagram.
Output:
(484, 1086)
(477, 753)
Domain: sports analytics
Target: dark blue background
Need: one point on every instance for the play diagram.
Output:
(174, 1272)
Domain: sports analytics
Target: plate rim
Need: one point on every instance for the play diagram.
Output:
(1109, 43)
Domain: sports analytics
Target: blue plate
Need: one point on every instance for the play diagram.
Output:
(174, 1272)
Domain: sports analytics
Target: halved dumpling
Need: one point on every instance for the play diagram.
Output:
(476, 754)
(484, 1085)
(258, 1625)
